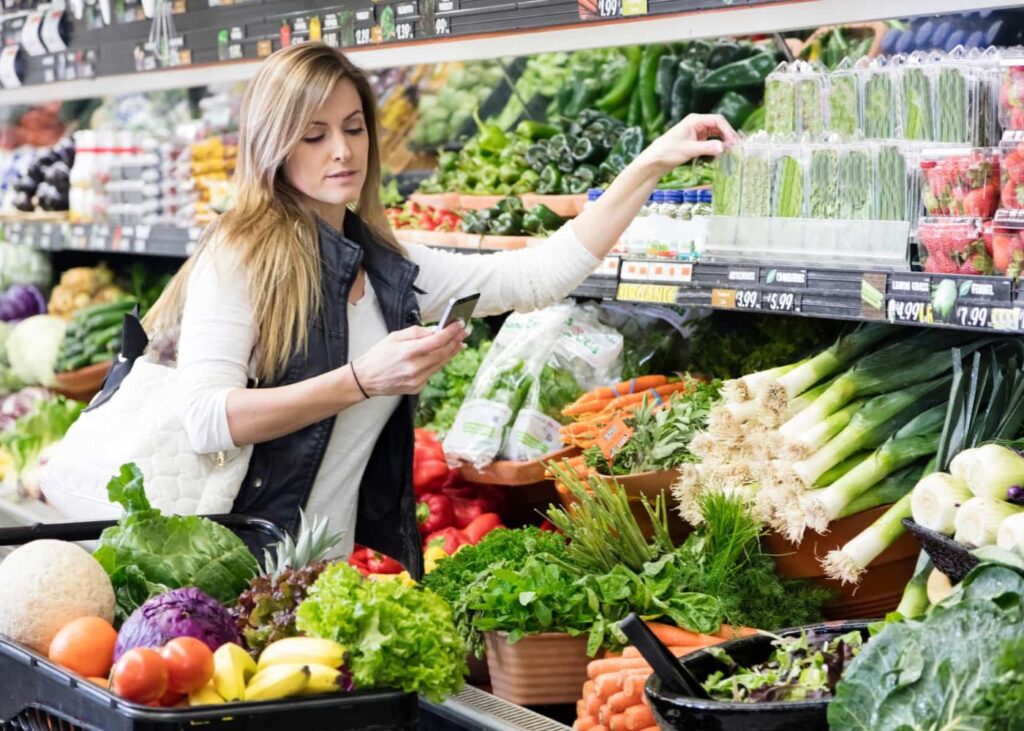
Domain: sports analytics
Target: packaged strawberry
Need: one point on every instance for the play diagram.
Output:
(1008, 243)
(954, 246)
(961, 182)
(1011, 93)
(1011, 151)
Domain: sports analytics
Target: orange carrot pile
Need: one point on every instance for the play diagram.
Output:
(613, 696)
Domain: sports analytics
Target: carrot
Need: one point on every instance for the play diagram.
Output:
(638, 398)
(621, 701)
(678, 651)
(593, 704)
(612, 664)
(638, 717)
(729, 632)
(585, 723)
(678, 637)
(623, 388)
(581, 708)
(617, 722)
(634, 684)
(608, 684)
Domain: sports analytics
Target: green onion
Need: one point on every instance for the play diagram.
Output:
(977, 521)
(919, 438)
(880, 417)
(915, 596)
(1011, 534)
(936, 499)
(849, 563)
(989, 471)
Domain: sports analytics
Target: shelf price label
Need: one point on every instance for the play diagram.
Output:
(364, 36)
(738, 299)
(780, 302)
(974, 316)
(405, 31)
(442, 27)
(661, 294)
(1006, 318)
(608, 8)
(898, 310)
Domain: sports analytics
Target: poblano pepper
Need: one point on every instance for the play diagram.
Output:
(668, 69)
(739, 75)
(550, 180)
(649, 107)
(626, 81)
(511, 204)
(697, 52)
(734, 107)
(682, 92)
(630, 144)
(509, 223)
(538, 156)
(586, 150)
(541, 219)
(583, 179)
(726, 52)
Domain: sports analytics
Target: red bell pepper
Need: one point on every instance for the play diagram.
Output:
(367, 561)
(481, 526)
(360, 558)
(450, 539)
(433, 513)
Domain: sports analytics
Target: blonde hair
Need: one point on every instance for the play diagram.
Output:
(271, 223)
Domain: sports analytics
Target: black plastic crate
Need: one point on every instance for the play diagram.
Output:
(36, 695)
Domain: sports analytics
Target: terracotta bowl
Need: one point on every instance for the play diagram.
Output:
(442, 201)
(566, 206)
(479, 202)
(505, 472)
(538, 670)
(83, 384)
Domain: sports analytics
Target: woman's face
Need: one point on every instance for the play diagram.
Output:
(329, 163)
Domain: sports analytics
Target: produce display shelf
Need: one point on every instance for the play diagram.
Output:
(473, 709)
(170, 241)
(459, 30)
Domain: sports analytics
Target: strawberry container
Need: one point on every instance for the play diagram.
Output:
(1011, 167)
(1008, 243)
(962, 182)
(1011, 93)
(955, 246)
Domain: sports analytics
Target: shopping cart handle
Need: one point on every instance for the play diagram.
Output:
(90, 531)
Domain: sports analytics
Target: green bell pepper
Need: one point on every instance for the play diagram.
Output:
(625, 83)
(527, 183)
(538, 156)
(697, 52)
(508, 173)
(725, 52)
(739, 75)
(550, 180)
(587, 150)
(734, 107)
(509, 223)
(510, 205)
(630, 144)
(668, 69)
(534, 131)
(472, 224)
(447, 162)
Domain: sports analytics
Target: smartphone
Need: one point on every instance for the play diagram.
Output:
(458, 309)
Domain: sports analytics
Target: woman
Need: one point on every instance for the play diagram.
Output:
(302, 287)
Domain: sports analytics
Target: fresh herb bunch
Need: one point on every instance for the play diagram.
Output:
(756, 184)
(880, 106)
(824, 194)
(662, 434)
(891, 171)
(727, 183)
(917, 105)
(844, 103)
(789, 187)
(856, 183)
(952, 124)
(780, 104)
(556, 388)
(812, 110)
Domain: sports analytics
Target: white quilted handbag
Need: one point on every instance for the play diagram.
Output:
(140, 423)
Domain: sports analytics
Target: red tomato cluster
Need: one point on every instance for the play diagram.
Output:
(163, 677)
(423, 218)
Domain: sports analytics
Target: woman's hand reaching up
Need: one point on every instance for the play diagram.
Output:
(698, 135)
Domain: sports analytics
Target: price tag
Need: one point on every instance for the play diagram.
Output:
(976, 316)
(404, 31)
(898, 310)
(1006, 318)
(264, 48)
(446, 6)
(364, 36)
(609, 267)
(613, 438)
(657, 293)
(634, 7)
(786, 277)
(740, 299)
(442, 27)
(780, 302)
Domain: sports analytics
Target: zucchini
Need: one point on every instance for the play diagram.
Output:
(73, 364)
(98, 339)
(100, 358)
(103, 320)
(121, 305)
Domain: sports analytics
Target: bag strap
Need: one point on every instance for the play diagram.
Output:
(133, 345)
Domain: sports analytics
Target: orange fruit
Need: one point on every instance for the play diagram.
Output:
(101, 682)
(85, 646)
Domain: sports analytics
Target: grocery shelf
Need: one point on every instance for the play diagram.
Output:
(477, 31)
(475, 710)
(170, 241)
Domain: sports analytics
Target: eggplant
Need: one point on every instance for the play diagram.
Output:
(23, 201)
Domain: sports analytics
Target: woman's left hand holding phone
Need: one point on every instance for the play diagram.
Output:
(402, 363)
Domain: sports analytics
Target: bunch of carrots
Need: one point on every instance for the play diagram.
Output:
(613, 696)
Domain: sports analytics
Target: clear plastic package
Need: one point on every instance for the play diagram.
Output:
(955, 97)
(856, 182)
(1011, 92)
(1011, 168)
(915, 76)
(1008, 243)
(728, 182)
(756, 196)
(960, 181)
(985, 65)
(788, 173)
(823, 181)
(880, 92)
(892, 182)
(844, 100)
(954, 246)
(811, 82)
(780, 101)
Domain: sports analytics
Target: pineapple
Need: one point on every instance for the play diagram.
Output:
(265, 612)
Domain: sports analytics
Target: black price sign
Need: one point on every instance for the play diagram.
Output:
(404, 31)
(446, 6)
(748, 299)
(364, 36)
(609, 8)
(780, 302)
(975, 316)
(442, 27)
(899, 310)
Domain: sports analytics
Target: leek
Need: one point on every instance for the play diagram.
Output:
(880, 417)
(849, 563)
(886, 492)
(841, 469)
(911, 361)
(918, 438)
(989, 471)
(1011, 534)
(737, 390)
(915, 596)
(771, 419)
(818, 435)
(778, 394)
(936, 499)
(977, 521)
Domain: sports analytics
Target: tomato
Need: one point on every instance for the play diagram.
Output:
(189, 664)
(140, 675)
(171, 698)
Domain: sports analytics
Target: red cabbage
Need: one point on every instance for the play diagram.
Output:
(20, 301)
(185, 612)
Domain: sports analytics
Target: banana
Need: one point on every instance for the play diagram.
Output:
(232, 669)
(277, 681)
(206, 696)
(304, 651)
(322, 679)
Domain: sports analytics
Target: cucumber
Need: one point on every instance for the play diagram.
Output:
(121, 305)
(73, 364)
(98, 339)
(100, 358)
(103, 320)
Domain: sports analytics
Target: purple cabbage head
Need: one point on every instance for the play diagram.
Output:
(20, 301)
(186, 612)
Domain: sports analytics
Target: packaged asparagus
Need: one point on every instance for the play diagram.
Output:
(780, 101)
(728, 184)
(880, 91)
(956, 90)
(891, 181)
(823, 198)
(856, 181)
(915, 76)
(811, 82)
(985, 65)
(756, 185)
(789, 165)
(844, 100)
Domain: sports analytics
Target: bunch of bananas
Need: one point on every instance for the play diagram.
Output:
(290, 667)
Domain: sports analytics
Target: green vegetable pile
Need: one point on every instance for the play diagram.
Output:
(510, 218)
(447, 114)
(93, 336)
(397, 636)
(148, 553)
(446, 390)
(959, 667)
(844, 103)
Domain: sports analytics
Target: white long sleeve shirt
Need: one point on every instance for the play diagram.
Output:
(218, 338)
